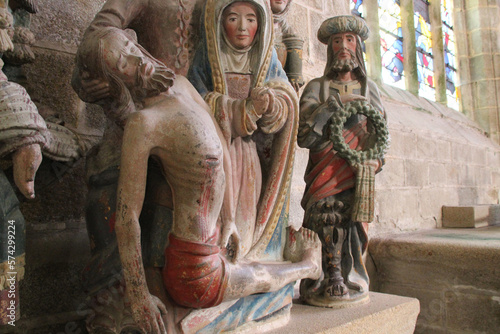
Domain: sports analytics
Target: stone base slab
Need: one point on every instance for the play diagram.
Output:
(384, 314)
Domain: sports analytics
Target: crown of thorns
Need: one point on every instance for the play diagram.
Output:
(340, 24)
(339, 118)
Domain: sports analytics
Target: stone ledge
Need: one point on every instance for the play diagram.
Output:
(453, 273)
(385, 314)
(433, 257)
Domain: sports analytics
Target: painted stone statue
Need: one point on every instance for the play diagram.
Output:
(164, 28)
(342, 123)
(26, 158)
(246, 89)
(226, 169)
(287, 43)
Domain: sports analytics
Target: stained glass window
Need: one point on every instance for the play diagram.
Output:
(391, 40)
(357, 9)
(425, 68)
(449, 53)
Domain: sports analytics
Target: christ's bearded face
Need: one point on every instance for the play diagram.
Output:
(139, 73)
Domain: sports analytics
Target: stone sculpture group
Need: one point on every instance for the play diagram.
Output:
(194, 167)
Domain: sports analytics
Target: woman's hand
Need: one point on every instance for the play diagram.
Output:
(262, 99)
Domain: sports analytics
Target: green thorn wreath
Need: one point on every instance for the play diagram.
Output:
(339, 118)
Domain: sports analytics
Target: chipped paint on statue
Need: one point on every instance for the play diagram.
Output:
(170, 41)
(331, 182)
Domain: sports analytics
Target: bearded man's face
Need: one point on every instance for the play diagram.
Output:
(344, 52)
(342, 63)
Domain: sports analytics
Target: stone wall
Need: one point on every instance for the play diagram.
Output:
(437, 157)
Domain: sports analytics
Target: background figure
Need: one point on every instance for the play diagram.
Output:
(330, 180)
(287, 43)
(24, 134)
(26, 158)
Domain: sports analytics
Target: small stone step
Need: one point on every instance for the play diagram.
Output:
(471, 216)
(384, 314)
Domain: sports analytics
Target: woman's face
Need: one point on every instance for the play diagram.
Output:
(240, 24)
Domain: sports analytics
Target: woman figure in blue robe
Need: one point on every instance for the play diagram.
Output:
(237, 72)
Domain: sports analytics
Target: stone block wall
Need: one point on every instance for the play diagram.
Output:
(437, 157)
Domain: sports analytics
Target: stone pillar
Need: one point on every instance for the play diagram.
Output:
(477, 32)
(372, 44)
(438, 51)
(463, 68)
(409, 46)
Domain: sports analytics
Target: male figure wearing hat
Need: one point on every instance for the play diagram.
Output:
(330, 180)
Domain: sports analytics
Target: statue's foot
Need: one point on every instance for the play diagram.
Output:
(304, 246)
(337, 290)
